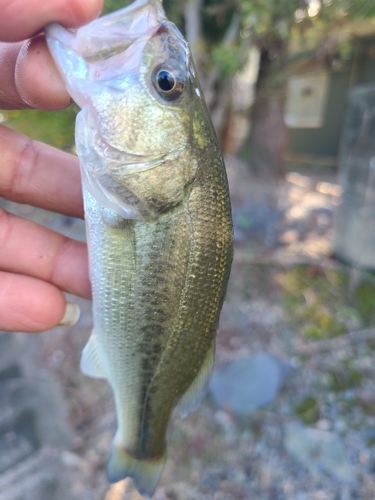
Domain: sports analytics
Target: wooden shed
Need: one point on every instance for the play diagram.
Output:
(318, 86)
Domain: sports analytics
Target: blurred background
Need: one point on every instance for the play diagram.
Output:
(290, 412)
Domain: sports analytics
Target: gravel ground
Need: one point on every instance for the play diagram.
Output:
(314, 441)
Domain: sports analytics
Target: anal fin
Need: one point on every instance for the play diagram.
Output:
(90, 361)
(197, 390)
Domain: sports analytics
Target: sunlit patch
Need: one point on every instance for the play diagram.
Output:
(313, 8)
(328, 188)
(294, 194)
(297, 212)
(290, 236)
(313, 200)
(299, 15)
(314, 247)
(298, 179)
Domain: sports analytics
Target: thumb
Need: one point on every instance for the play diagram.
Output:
(37, 80)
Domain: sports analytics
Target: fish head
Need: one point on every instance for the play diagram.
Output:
(142, 108)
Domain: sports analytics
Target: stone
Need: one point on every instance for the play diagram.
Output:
(318, 451)
(249, 383)
(33, 478)
(33, 424)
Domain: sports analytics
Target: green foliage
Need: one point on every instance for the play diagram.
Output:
(223, 60)
(269, 22)
(216, 19)
(345, 377)
(320, 303)
(329, 20)
(112, 5)
(345, 50)
(346, 7)
(172, 8)
(308, 410)
(336, 11)
(269, 19)
(365, 296)
(54, 128)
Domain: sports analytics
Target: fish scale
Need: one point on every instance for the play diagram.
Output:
(159, 224)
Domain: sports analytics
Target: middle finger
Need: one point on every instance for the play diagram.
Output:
(33, 250)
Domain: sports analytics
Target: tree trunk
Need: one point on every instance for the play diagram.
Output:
(268, 130)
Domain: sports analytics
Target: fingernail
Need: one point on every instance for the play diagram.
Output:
(71, 316)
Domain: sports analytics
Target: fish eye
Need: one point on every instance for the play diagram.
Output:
(168, 82)
(165, 81)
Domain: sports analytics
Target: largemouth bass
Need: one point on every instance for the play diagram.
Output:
(158, 221)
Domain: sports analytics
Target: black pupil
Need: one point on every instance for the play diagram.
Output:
(165, 81)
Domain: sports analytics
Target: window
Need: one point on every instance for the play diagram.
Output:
(306, 99)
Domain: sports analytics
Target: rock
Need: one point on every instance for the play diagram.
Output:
(35, 477)
(33, 424)
(249, 383)
(180, 491)
(226, 422)
(319, 451)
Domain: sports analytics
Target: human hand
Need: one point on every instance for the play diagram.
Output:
(36, 263)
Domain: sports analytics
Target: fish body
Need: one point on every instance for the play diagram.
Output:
(158, 221)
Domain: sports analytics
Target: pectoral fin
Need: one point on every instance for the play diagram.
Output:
(196, 392)
(90, 361)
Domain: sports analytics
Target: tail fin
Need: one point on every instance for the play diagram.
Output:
(145, 473)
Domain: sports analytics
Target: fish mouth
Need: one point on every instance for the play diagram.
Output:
(111, 34)
(119, 30)
(75, 50)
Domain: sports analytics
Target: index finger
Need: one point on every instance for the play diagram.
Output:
(21, 19)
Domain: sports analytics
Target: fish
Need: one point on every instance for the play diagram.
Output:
(159, 224)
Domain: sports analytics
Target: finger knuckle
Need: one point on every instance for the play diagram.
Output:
(23, 164)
